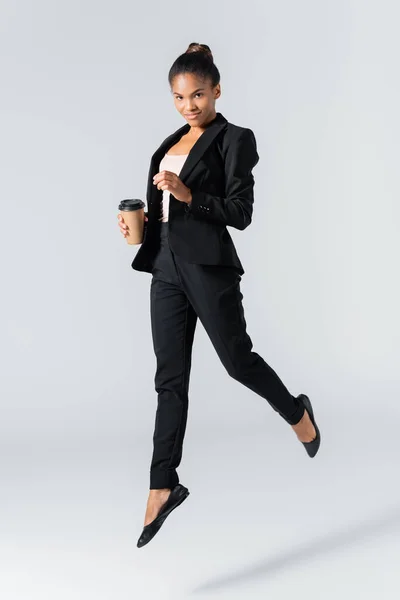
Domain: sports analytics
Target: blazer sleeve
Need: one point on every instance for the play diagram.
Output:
(146, 214)
(236, 207)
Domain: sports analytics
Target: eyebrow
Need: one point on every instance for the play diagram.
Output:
(195, 91)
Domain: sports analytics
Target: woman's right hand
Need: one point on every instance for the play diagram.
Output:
(123, 227)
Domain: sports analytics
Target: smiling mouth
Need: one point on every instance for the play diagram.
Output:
(192, 114)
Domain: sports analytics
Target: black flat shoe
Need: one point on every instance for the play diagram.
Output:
(176, 497)
(313, 446)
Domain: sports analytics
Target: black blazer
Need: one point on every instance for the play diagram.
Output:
(218, 170)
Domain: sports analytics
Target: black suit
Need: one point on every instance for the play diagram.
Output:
(218, 170)
(196, 273)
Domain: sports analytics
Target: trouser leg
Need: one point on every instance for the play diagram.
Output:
(215, 294)
(173, 323)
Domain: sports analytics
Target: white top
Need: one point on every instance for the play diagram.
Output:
(174, 163)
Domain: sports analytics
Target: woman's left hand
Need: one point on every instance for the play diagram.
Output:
(166, 180)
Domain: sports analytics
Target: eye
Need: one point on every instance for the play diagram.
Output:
(196, 94)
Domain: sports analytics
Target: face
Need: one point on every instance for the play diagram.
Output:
(194, 98)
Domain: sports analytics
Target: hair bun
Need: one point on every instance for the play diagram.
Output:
(203, 48)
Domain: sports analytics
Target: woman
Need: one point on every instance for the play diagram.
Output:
(200, 181)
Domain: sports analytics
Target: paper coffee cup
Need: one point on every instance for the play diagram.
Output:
(132, 211)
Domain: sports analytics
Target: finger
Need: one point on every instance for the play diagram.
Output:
(165, 181)
(158, 175)
(166, 175)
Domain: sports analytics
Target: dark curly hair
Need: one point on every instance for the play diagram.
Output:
(197, 59)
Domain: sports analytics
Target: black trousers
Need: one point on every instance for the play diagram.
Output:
(181, 292)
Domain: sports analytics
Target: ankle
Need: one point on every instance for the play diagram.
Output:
(300, 423)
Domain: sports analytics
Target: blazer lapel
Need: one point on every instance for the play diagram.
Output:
(201, 145)
(195, 154)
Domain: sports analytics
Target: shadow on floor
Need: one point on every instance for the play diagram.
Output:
(329, 543)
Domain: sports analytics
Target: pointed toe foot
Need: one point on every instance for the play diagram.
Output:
(313, 446)
(177, 496)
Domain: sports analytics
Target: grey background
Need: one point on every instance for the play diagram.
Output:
(84, 103)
